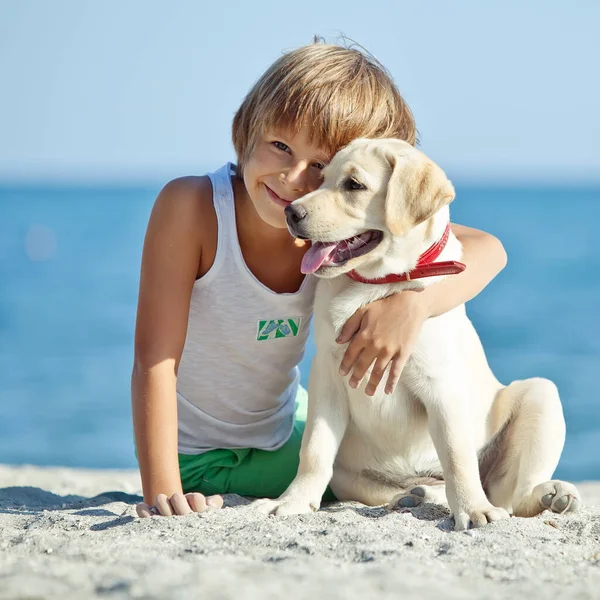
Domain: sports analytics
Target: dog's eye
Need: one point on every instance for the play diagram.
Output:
(351, 185)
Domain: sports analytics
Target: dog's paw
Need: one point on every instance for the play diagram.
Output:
(557, 496)
(405, 500)
(478, 516)
(282, 507)
(422, 494)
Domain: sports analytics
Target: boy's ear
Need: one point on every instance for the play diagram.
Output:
(417, 189)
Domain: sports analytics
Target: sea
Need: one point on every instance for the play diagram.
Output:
(69, 273)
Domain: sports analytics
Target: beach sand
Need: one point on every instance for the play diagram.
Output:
(67, 533)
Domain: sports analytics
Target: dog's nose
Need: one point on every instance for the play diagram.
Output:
(294, 214)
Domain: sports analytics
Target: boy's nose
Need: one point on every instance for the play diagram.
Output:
(297, 177)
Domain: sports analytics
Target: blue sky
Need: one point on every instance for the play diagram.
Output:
(145, 91)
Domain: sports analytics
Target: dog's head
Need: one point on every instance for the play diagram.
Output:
(372, 192)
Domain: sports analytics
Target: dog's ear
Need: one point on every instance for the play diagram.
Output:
(417, 189)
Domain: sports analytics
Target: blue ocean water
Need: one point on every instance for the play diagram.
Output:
(69, 269)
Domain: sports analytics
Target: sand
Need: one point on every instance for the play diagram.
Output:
(68, 533)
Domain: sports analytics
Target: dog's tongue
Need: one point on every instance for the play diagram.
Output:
(316, 255)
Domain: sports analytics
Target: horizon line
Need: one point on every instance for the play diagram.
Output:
(493, 177)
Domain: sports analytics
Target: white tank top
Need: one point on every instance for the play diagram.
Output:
(238, 375)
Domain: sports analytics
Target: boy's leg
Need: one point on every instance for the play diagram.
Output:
(249, 472)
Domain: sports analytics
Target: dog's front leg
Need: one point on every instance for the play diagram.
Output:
(449, 423)
(326, 424)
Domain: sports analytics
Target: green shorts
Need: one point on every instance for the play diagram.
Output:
(248, 471)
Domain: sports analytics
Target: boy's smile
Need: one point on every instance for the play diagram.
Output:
(276, 198)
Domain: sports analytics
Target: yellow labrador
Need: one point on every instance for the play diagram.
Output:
(450, 431)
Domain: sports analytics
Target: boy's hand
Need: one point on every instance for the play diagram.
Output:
(178, 504)
(384, 331)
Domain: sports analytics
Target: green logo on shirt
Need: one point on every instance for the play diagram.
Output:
(278, 328)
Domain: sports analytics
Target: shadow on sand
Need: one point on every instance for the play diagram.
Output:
(32, 500)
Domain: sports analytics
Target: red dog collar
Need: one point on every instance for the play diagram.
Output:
(425, 266)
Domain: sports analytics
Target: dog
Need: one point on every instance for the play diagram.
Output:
(450, 433)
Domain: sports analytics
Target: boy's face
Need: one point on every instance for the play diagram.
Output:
(282, 168)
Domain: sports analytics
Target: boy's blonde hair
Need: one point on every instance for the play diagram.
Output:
(340, 93)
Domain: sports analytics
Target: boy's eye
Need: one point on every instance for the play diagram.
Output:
(281, 146)
(319, 166)
(352, 184)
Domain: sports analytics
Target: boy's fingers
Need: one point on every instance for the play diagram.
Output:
(143, 510)
(381, 364)
(179, 504)
(353, 351)
(394, 377)
(215, 501)
(361, 366)
(351, 326)
(162, 503)
(196, 501)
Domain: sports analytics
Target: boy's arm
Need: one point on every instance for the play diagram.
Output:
(386, 331)
(170, 263)
(484, 256)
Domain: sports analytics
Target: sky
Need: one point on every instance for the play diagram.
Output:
(132, 91)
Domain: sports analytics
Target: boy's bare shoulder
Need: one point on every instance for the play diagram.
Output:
(188, 200)
(191, 192)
